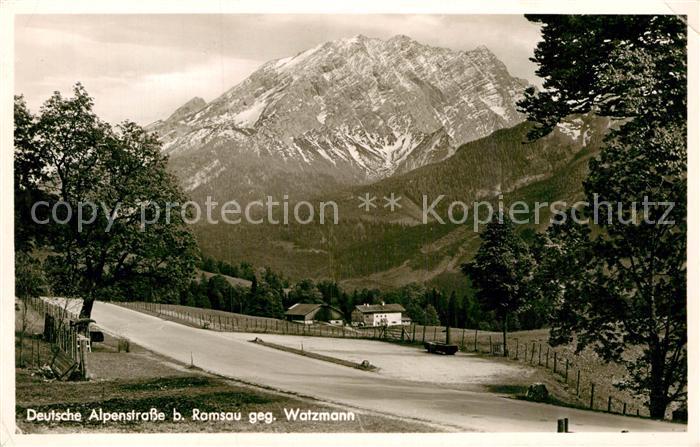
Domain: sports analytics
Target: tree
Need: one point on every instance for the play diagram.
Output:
(330, 292)
(474, 314)
(431, 316)
(210, 265)
(111, 174)
(627, 279)
(305, 291)
(501, 271)
(265, 301)
(453, 310)
(638, 68)
(29, 174)
(217, 291)
(412, 297)
(246, 271)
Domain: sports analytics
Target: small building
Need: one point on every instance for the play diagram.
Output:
(312, 313)
(377, 315)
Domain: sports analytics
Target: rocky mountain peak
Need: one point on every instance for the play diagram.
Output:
(193, 105)
(352, 110)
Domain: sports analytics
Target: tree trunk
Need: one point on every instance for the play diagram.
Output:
(86, 310)
(658, 401)
(657, 405)
(21, 348)
(505, 333)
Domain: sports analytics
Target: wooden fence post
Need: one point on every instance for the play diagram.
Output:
(423, 334)
(578, 381)
(624, 408)
(539, 354)
(566, 373)
(476, 336)
(560, 426)
(609, 403)
(517, 348)
(592, 394)
(83, 365)
(490, 346)
(555, 362)
(563, 425)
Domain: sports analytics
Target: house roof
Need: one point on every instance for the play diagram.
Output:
(376, 308)
(302, 309)
(230, 279)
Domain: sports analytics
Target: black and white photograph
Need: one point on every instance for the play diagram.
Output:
(367, 222)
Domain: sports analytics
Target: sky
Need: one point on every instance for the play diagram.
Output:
(143, 67)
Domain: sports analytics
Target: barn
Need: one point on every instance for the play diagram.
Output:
(312, 313)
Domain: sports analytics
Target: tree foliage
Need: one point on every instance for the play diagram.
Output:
(623, 285)
(619, 66)
(68, 154)
(501, 271)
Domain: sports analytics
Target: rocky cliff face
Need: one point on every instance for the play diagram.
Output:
(346, 112)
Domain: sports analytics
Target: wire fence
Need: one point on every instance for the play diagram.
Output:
(61, 345)
(232, 322)
(573, 371)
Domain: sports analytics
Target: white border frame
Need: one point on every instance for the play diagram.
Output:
(8, 9)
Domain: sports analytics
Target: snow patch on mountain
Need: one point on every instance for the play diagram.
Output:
(249, 116)
(572, 128)
(355, 110)
(204, 175)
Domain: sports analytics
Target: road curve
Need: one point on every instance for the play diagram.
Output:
(222, 354)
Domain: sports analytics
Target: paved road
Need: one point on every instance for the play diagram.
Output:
(229, 356)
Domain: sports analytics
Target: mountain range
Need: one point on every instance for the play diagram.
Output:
(346, 112)
(362, 116)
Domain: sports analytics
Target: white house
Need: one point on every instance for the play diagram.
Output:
(377, 314)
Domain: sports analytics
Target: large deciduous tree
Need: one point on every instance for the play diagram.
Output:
(72, 157)
(501, 271)
(623, 286)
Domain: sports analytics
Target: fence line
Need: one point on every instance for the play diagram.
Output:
(60, 330)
